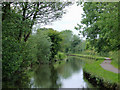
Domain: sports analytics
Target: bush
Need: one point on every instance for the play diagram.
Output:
(60, 56)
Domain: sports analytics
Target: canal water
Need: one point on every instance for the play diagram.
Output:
(67, 74)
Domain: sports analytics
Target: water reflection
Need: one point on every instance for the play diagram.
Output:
(19, 80)
(75, 81)
(68, 75)
(55, 81)
(71, 66)
(41, 77)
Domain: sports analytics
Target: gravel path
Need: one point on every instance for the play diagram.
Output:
(107, 66)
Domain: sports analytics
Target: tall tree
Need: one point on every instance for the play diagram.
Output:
(98, 24)
(56, 42)
(35, 12)
(55, 39)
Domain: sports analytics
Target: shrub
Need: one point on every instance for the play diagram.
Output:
(60, 56)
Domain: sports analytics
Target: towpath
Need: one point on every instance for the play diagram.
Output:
(106, 64)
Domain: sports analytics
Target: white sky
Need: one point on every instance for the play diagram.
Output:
(69, 20)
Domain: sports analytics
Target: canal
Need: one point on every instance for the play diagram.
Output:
(63, 74)
(66, 75)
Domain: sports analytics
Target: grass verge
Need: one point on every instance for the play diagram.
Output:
(93, 67)
(114, 64)
(90, 56)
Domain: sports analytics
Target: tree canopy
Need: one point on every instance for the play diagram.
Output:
(34, 13)
(100, 25)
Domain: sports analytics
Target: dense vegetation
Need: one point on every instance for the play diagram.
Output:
(23, 47)
(101, 27)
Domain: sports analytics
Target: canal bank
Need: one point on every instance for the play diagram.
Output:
(99, 75)
(100, 83)
(94, 72)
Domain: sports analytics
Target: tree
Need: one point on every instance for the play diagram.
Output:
(70, 42)
(98, 26)
(56, 41)
(17, 21)
(75, 43)
(35, 12)
(13, 50)
(66, 40)
(40, 45)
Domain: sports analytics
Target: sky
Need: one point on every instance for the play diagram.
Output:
(69, 20)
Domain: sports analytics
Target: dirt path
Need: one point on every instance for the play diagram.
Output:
(107, 66)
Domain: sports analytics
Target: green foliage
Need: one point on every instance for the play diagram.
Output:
(34, 13)
(88, 45)
(41, 12)
(20, 48)
(56, 42)
(90, 56)
(40, 46)
(96, 70)
(75, 44)
(71, 43)
(99, 28)
(60, 56)
(14, 51)
(89, 52)
(115, 58)
(66, 40)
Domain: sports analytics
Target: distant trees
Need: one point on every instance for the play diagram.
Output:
(75, 44)
(100, 20)
(67, 36)
(56, 41)
(64, 41)
(40, 45)
(71, 43)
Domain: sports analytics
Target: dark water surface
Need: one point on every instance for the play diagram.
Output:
(67, 74)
